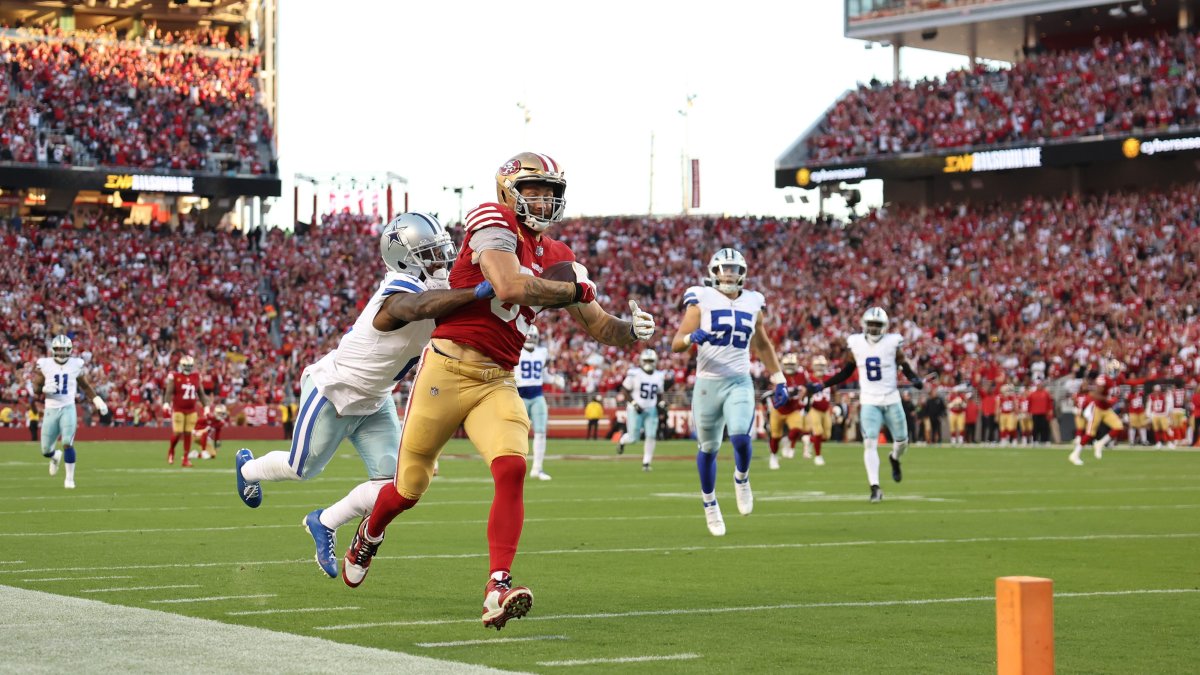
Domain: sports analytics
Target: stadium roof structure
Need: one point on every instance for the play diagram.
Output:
(118, 14)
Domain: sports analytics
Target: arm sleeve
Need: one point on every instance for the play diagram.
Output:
(492, 239)
(840, 376)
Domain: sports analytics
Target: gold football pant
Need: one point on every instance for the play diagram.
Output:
(794, 419)
(183, 423)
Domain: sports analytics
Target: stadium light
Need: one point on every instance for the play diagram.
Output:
(1138, 9)
(1117, 12)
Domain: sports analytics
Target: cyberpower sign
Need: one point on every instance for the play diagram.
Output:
(1132, 147)
(142, 183)
(804, 177)
(994, 160)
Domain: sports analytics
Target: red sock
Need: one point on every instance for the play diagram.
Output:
(774, 443)
(793, 436)
(817, 445)
(508, 511)
(1114, 434)
(174, 442)
(187, 444)
(203, 441)
(389, 504)
(1086, 439)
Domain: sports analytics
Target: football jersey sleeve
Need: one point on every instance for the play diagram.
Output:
(691, 296)
(402, 283)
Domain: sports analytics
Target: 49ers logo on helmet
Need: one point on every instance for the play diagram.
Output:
(510, 167)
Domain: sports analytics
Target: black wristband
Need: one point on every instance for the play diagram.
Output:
(578, 293)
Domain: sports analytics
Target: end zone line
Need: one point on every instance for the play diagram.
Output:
(621, 659)
(758, 608)
(489, 641)
(294, 610)
(138, 588)
(212, 598)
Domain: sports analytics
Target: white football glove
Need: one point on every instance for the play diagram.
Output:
(101, 406)
(49, 388)
(643, 323)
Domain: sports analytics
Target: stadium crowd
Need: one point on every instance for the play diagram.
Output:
(1115, 87)
(993, 293)
(69, 99)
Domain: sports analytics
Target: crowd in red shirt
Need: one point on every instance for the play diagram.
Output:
(1115, 87)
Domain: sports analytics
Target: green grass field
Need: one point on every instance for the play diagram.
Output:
(624, 572)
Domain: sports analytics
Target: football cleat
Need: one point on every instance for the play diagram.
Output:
(1098, 450)
(787, 451)
(540, 475)
(621, 449)
(326, 541)
(876, 494)
(206, 455)
(503, 601)
(743, 495)
(819, 460)
(896, 475)
(55, 462)
(194, 454)
(773, 462)
(716, 523)
(358, 557)
(69, 484)
(646, 466)
(250, 492)
(186, 463)
(170, 457)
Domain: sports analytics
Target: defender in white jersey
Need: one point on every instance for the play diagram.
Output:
(531, 377)
(644, 385)
(59, 377)
(725, 322)
(876, 355)
(347, 393)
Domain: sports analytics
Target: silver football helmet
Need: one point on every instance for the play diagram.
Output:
(648, 360)
(531, 338)
(727, 271)
(874, 323)
(417, 244)
(61, 348)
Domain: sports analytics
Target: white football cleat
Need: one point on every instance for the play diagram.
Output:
(1098, 450)
(69, 484)
(745, 498)
(819, 460)
(55, 462)
(204, 454)
(716, 523)
(773, 462)
(540, 475)
(193, 454)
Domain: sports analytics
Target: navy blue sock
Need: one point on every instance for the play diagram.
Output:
(69, 454)
(741, 452)
(706, 462)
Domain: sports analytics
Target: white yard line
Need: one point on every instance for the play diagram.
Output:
(490, 641)
(118, 576)
(211, 598)
(137, 588)
(114, 639)
(621, 659)
(295, 610)
(753, 608)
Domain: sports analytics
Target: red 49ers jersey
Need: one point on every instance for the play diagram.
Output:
(490, 326)
(796, 380)
(187, 388)
(1137, 402)
(212, 424)
(1082, 400)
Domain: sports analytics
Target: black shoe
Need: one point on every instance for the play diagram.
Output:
(621, 449)
(895, 468)
(876, 494)
(645, 467)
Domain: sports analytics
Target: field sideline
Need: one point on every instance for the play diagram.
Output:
(624, 573)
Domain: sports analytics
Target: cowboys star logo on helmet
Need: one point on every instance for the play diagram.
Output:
(417, 244)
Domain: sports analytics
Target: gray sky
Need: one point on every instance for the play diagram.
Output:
(430, 91)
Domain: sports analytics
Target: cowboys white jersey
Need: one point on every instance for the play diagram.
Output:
(358, 376)
(531, 367)
(876, 367)
(645, 387)
(731, 323)
(63, 376)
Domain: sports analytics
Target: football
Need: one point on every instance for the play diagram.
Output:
(572, 272)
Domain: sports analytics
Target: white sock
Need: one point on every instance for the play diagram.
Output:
(871, 459)
(356, 504)
(70, 472)
(539, 452)
(626, 439)
(708, 497)
(648, 453)
(1103, 442)
(740, 475)
(898, 448)
(271, 466)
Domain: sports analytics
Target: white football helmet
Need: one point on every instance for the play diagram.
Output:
(531, 339)
(61, 348)
(649, 360)
(417, 244)
(874, 323)
(727, 270)
(532, 167)
(790, 363)
(187, 364)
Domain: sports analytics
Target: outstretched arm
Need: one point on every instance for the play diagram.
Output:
(400, 309)
(602, 326)
(848, 367)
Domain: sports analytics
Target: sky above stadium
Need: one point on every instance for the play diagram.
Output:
(433, 91)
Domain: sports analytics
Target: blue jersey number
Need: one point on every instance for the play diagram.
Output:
(531, 370)
(731, 327)
(874, 369)
(649, 391)
(61, 382)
